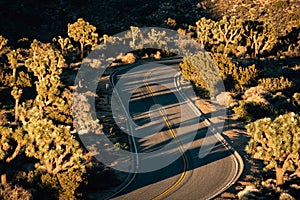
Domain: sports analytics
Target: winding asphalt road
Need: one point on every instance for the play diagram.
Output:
(188, 177)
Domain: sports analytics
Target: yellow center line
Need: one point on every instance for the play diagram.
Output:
(171, 130)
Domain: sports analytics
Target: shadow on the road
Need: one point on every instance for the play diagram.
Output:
(139, 106)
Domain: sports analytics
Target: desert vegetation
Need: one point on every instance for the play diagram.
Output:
(256, 54)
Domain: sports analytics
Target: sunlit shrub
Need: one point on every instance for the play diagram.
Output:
(250, 111)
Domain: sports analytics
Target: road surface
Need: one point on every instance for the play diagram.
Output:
(188, 177)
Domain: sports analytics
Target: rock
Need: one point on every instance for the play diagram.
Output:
(286, 196)
(226, 98)
(297, 187)
(248, 193)
(234, 104)
(256, 94)
(129, 58)
(157, 55)
(227, 195)
(269, 183)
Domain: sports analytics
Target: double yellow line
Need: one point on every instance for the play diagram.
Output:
(180, 148)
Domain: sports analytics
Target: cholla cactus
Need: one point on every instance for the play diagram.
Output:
(274, 85)
(84, 33)
(277, 142)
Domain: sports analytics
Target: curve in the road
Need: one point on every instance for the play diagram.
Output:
(175, 185)
(172, 132)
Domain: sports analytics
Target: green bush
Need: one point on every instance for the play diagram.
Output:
(251, 111)
(277, 142)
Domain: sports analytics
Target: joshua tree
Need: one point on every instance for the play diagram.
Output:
(16, 93)
(204, 31)
(64, 44)
(228, 32)
(84, 33)
(61, 161)
(261, 36)
(11, 145)
(13, 58)
(277, 142)
(3, 42)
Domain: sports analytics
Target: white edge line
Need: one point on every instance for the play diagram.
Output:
(237, 158)
(130, 138)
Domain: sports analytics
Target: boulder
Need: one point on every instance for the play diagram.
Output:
(226, 98)
(250, 192)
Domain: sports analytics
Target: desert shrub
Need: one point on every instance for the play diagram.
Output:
(251, 111)
(274, 85)
(277, 143)
(63, 185)
(282, 103)
(199, 70)
(235, 77)
(14, 192)
(296, 98)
